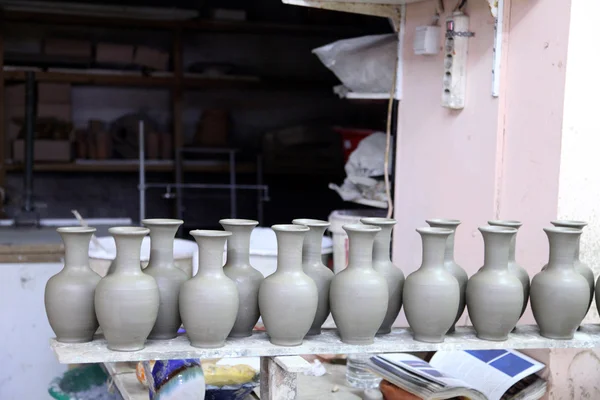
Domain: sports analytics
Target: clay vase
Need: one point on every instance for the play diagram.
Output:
(451, 265)
(69, 295)
(168, 277)
(246, 278)
(288, 298)
(127, 300)
(559, 294)
(431, 294)
(580, 267)
(383, 264)
(513, 267)
(494, 294)
(209, 301)
(359, 294)
(312, 265)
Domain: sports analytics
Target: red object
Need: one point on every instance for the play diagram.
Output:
(351, 137)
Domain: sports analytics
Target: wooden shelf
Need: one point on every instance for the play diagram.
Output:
(258, 345)
(125, 166)
(85, 78)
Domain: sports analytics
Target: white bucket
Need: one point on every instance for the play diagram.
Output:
(185, 253)
(338, 219)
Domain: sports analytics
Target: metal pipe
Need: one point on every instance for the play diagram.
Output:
(232, 192)
(142, 183)
(30, 121)
(259, 181)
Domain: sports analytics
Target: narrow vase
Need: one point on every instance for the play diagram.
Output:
(383, 264)
(494, 294)
(581, 267)
(168, 277)
(288, 298)
(69, 295)
(359, 294)
(246, 278)
(431, 294)
(312, 265)
(451, 265)
(559, 294)
(127, 300)
(513, 267)
(209, 301)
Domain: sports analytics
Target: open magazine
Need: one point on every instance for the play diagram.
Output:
(472, 374)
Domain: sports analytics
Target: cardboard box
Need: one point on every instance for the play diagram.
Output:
(44, 150)
(54, 93)
(151, 58)
(68, 48)
(114, 53)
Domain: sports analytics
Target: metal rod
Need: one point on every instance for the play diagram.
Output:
(206, 186)
(259, 181)
(30, 121)
(232, 191)
(142, 183)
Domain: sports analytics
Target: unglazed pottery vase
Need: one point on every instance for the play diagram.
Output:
(451, 265)
(69, 295)
(312, 265)
(383, 264)
(431, 294)
(246, 278)
(513, 267)
(288, 299)
(559, 294)
(209, 301)
(127, 300)
(580, 266)
(359, 294)
(168, 277)
(494, 294)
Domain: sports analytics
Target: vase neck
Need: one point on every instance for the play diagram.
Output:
(312, 246)
(577, 247)
(497, 246)
(238, 244)
(289, 250)
(210, 255)
(76, 249)
(128, 259)
(434, 250)
(449, 249)
(381, 244)
(161, 245)
(512, 249)
(563, 249)
(360, 254)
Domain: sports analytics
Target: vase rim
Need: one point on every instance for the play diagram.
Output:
(429, 230)
(444, 221)
(128, 231)
(510, 223)
(76, 229)
(496, 229)
(162, 221)
(209, 233)
(290, 228)
(238, 221)
(560, 229)
(568, 223)
(310, 222)
(378, 221)
(360, 228)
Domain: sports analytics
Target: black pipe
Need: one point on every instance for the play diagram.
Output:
(394, 135)
(30, 120)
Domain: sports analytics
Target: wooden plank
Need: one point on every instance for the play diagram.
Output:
(129, 167)
(31, 253)
(400, 340)
(84, 78)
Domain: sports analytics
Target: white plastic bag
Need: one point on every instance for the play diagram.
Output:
(365, 64)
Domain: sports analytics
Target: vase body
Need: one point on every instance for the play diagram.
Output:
(359, 294)
(513, 267)
(383, 264)
(582, 268)
(559, 294)
(69, 295)
(127, 299)
(168, 277)
(288, 298)
(239, 270)
(209, 301)
(495, 295)
(451, 265)
(431, 294)
(312, 265)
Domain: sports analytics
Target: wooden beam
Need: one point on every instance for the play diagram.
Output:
(3, 138)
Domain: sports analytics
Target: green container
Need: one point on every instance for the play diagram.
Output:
(88, 382)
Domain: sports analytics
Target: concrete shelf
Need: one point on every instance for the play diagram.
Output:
(258, 345)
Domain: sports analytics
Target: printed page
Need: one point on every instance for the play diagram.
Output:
(492, 372)
(424, 369)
